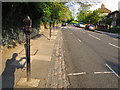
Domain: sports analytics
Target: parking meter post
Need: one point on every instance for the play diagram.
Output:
(50, 29)
(28, 58)
(27, 23)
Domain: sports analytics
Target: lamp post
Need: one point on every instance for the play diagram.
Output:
(27, 26)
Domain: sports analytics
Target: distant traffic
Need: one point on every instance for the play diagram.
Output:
(81, 25)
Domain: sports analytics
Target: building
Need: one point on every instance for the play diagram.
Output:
(105, 10)
(115, 16)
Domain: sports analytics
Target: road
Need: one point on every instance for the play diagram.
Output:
(91, 58)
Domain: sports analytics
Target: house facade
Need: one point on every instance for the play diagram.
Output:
(115, 16)
(105, 13)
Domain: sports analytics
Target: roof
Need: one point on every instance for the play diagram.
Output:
(104, 9)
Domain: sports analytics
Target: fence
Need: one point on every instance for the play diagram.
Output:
(103, 28)
(108, 29)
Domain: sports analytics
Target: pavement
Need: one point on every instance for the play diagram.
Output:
(45, 52)
(109, 34)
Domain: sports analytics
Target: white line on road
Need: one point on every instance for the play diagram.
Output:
(113, 45)
(94, 37)
(102, 72)
(79, 40)
(73, 74)
(112, 70)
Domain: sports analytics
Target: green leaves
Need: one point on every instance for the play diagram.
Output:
(14, 12)
(90, 17)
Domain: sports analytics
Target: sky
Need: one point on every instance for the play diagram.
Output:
(109, 4)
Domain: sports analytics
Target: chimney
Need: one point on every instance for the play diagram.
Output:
(102, 6)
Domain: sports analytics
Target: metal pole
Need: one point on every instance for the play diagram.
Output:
(50, 29)
(28, 57)
(53, 24)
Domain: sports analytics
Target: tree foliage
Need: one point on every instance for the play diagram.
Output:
(14, 12)
(90, 17)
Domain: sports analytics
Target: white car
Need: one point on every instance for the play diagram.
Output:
(82, 25)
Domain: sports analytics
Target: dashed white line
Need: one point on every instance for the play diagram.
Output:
(79, 40)
(112, 70)
(94, 37)
(73, 74)
(102, 72)
(113, 45)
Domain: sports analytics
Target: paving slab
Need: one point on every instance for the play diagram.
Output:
(31, 83)
(41, 57)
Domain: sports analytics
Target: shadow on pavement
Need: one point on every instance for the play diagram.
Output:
(8, 75)
(45, 36)
(36, 36)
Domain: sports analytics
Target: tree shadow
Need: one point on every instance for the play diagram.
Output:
(36, 36)
(8, 75)
(45, 36)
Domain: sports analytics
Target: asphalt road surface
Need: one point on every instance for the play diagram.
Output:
(91, 58)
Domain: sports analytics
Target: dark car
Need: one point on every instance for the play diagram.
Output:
(64, 24)
(75, 24)
(90, 27)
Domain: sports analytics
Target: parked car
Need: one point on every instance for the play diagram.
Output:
(75, 24)
(90, 27)
(64, 24)
(82, 25)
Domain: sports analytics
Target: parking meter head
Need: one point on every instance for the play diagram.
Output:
(27, 25)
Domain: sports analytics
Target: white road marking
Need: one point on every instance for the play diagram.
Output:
(102, 72)
(73, 74)
(79, 40)
(94, 37)
(113, 45)
(70, 33)
(112, 70)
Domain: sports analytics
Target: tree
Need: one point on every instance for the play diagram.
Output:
(107, 21)
(81, 16)
(90, 17)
